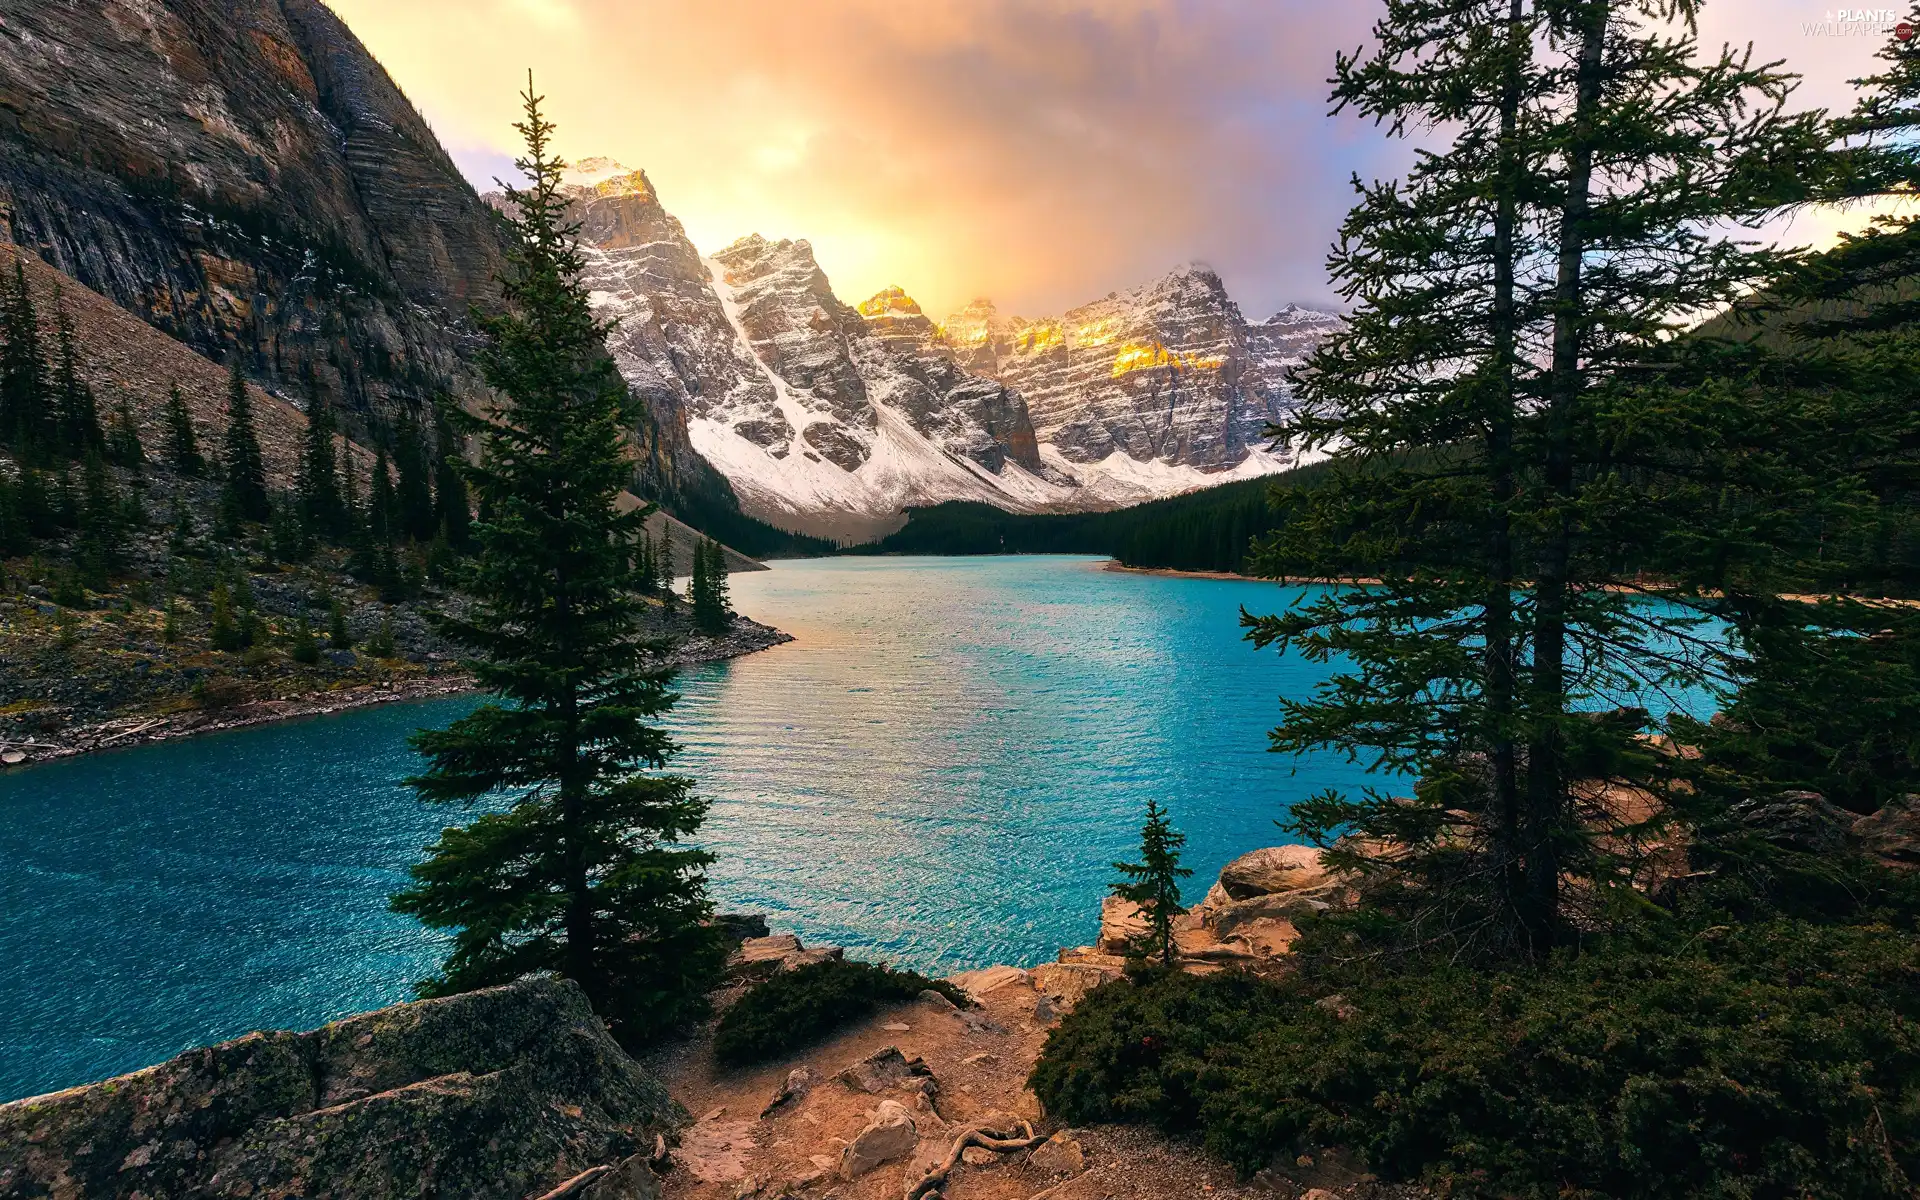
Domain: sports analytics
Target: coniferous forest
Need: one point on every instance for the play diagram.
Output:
(1592, 950)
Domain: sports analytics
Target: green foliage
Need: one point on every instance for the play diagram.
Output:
(450, 499)
(338, 636)
(226, 633)
(182, 450)
(796, 1008)
(1208, 530)
(27, 418)
(76, 414)
(1153, 883)
(103, 533)
(381, 644)
(305, 648)
(1781, 1059)
(707, 591)
(414, 515)
(322, 508)
(587, 872)
(123, 443)
(717, 514)
(243, 485)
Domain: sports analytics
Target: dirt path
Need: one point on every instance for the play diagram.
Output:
(977, 1062)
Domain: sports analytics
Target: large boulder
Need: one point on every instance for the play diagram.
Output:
(502, 1093)
(1273, 869)
(888, 1136)
(1893, 834)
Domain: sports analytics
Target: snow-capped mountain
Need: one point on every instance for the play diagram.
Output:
(833, 420)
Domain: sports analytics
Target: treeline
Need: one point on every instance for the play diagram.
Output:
(1208, 530)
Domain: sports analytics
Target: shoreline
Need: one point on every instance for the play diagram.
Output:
(120, 733)
(1115, 565)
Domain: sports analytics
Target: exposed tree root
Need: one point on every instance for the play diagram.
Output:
(928, 1186)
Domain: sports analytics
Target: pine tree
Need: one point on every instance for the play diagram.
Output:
(76, 413)
(1500, 448)
(322, 509)
(102, 533)
(413, 496)
(123, 444)
(382, 524)
(449, 485)
(243, 489)
(338, 636)
(708, 591)
(586, 874)
(305, 648)
(643, 567)
(26, 415)
(182, 448)
(1153, 883)
(226, 633)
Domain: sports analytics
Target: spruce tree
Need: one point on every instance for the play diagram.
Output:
(1502, 455)
(102, 538)
(382, 522)
(1153, 883)
(26, 413)
(338, 636)
(123, 444)
(76, 412)
(243, 487)
(449, 485)
(322, 508)
(182, 446)
(305, 648)
(708, 591)
(413, 494)
(586, 873)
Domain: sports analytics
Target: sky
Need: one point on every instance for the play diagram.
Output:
(1041, 153)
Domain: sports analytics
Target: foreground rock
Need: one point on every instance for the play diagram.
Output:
(1246, 920)
(509, 1092)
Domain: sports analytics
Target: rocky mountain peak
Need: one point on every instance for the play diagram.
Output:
(894, 316)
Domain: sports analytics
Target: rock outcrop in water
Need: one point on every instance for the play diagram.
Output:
(503, 1093)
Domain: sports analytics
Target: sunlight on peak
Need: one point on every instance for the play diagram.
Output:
(1139, 356)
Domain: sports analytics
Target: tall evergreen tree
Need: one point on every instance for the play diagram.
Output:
(26, 410)
(76, 412)
(1500, 447)
(322, 508)
(123, 444)
(1153, 883)
(102, 540)
(708, 590)
(450, 486)
(243, 493)
(382, 524)
(413, 494)
(586, 872)
(182, 449)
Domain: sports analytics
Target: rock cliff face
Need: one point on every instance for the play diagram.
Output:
(832, 420)
(245, 176)
(1168, 374)
(503, 1093)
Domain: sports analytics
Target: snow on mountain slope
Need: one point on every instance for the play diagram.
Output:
(832, 421)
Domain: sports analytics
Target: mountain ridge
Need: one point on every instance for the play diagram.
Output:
(833, 420)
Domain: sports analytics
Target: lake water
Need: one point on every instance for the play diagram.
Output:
(937, 773)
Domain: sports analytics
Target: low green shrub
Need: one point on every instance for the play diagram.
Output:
(797, 1008)
(1780, 1059)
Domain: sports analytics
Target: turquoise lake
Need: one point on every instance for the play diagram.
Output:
(938, 773)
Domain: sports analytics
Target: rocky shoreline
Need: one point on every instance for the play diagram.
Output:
(746, 637)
